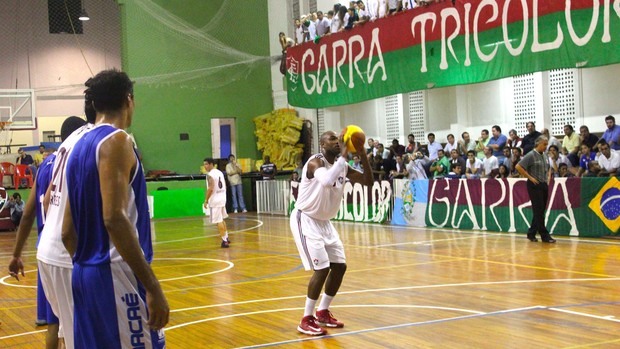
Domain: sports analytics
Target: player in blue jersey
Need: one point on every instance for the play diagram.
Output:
(34, 206)
(106, 228)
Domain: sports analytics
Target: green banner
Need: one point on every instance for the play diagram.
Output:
(449, 44)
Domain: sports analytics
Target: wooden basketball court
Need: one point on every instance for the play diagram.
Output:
(405, 288)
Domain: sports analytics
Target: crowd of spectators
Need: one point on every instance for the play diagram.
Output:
(312, 26)
(496, 155)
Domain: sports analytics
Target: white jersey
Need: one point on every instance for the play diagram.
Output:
(218, 197)
(318, 201)
(51, 250)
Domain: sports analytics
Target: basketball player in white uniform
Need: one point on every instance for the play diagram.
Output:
(55, 265)
(215, 199)
(318, 242)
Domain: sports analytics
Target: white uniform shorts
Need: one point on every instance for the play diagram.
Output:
(56, 283)
(218, 214)
(317, 241)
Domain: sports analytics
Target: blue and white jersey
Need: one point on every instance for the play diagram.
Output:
(94, 246)
(44, 177)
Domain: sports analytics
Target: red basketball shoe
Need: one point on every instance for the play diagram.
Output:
(325, 318)
(309, 326)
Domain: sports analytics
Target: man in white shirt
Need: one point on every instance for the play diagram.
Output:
(473, 165)
(490, 165)
(433, 147)
(373, 9)
(609, 160)
(299, 32)
(322, 24)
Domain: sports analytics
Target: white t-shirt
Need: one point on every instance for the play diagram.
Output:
(609, 164)
(299, 34)
(335, 26)
(372, 7)
(476, 165)
(322, 26)
(382, 8)
(489, 164)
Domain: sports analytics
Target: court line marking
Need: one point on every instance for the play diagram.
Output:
(391, 327)
(230, 265)
(21, 334)
(258, 225)
(608, 318)
(403, 288)
(3, 280)
(337, 306)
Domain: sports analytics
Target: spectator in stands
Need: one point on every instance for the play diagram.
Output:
(295, 177)
(362, 13)
(373, 9)
(456, 171)
(310, 24)
(412, 146)
(552, 140)
(527, 143)
(481, 143)
(16, 205)
(513, 139)
(382, 151)
(417, 166)
(497, 143)
(23, 158)
(594, 169)
(38, 157)
(441, 166)
(451, 144)
(612, 133)
(563, 171)
(268, 169)
(490, 165)
(473, 167)
(394, 6)
(516, 157)
(608, 160)
(338, 20)
(455, 158)
(356, 164)
(466, 144)
(351, 19)
(503, 171)
(322, 25)
(376, 163)
(399, 170)
(396, 149)
(408, 4)
(586, 137)
(433, 147)
(555, 159)
(383, 10)
(507, 159)
(233, 171)
(587, 155)
(570, 144)
(299, 32)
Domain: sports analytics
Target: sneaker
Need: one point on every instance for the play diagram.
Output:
(309, 326)
(244, 210)
(40, 322)
(225, 244)
(235, 211)
(325, 318)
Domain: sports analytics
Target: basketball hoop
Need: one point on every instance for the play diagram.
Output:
(4, 124)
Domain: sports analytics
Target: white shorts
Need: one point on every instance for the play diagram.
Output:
(56, 283)
(317, 241)
(218, 214)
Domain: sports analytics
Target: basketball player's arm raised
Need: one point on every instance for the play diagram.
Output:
(364, 178)
(117, 163)
(23, 231)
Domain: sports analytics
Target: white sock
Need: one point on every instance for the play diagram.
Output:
(309, 310)
(325, 302)
(225, 237)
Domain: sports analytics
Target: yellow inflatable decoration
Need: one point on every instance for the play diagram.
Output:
(278, 135)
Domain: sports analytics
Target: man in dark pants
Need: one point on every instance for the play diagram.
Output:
(535, 167)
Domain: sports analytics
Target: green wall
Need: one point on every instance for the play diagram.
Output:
(163, 112)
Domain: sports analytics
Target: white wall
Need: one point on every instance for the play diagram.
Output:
(55, 65)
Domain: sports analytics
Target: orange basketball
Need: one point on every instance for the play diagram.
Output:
(353, 135)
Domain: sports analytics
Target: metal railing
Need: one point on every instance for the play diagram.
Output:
(273, 196)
